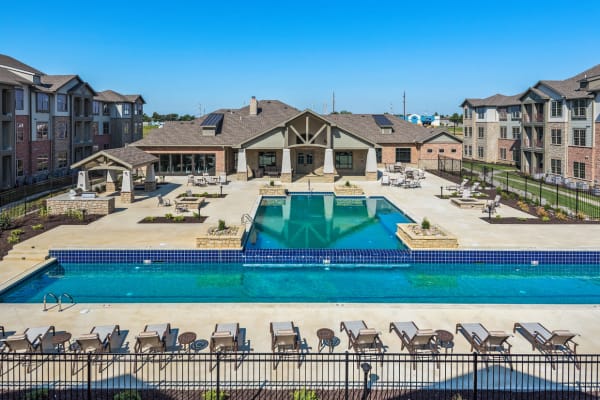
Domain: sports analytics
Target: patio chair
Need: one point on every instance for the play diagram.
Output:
(225, 338)
(32, 340)
(162, 202)
(483, 341)
(420, 343)
(188, 193)
(153, 339)
(399, 180)
(385, 179)
(458, 188)
(361, 338)
(413, 183)
(491, 205)
(190, 180)
(101, 339)
(223, 179)
(284, 337)
(547, 342)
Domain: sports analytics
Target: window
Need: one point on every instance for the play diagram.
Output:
(126, 129)
(556, 166)
(61, 130)
(470, 150)
(43, 102)
(138, 109)
(343, 159)
(126, 109)
(41, 130)
(579, 107)
(403, 155)
(556, 136)
(556, 108)
(19, 100)
(20, 131)
(481, 113)
(516, 155)
(502, 114)
(480, 132)
(503, 132)
(452, 150)
(430, 150)
(106, 128)
(480, 151)
(42, 163)
(61, 102)
(105, 109)
(503, 153)
(516, 132)
(466, 150)
(61, 159)
(578, 137)
(266, 159)
(20, 170)
(468, 113)
(470, 129)
(95, 128)
(106, 146)
(515, 113)
(378, 156)
(440, 150)
(579, 170)
(96, 107)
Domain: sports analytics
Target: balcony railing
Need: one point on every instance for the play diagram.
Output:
(534, 118)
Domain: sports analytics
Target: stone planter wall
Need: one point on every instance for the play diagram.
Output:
(99, 206)
(230, 240)
(442, 240)
(348, 191)
(272, 191)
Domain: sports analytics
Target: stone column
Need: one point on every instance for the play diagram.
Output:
(286, 167)
(242, 166)
(127, 194)
(328, 170)
(83, 181)
(371, 207)
(371, 167)
(111, 181)
(150, 182)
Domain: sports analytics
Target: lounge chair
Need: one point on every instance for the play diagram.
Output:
(385, 179)
(223, 179)
(32, 340)
(162, 202)
(555, 342)
(362, 338)
(188, 193)
(415, 340)
(413, 183)
(491, 205)
(483, 341)
(101, 339)
(458, 188)
(153, 339)
(284, 337)
(225, 338)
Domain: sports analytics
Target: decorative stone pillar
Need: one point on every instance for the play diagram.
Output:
(371, 207)
(242, 166)
(328, 170)
(371, 167)
(328, 207)
(150, 182)
(83, 181)
(286, 167)
(127, 194)
(111, 179)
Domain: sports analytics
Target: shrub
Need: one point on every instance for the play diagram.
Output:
(523, 205)
(13, 239)
(580, 215)
(43, 212)
(5, 221)
(547, 207)
(348, 184)
(37, 227)
(222, 225)
(212, 395)
(272, 183)
(169, 216)
(545, 218)
(37, 394)
(149, 219)
(127, 395)
(196, 214)
(425, 224)
(498, 216)
(179, 218)
(456, 396)
(541, 212)
(561, 216)
(305, 394)
(16, 232)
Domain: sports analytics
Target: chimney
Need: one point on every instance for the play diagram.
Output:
(253, 106)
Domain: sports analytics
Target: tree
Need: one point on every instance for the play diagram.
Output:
(146, 118)
(156, 117)
(456, 119)
(186, 117)
(345, 112)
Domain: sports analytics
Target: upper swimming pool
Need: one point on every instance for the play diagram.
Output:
(351, 283)
(326, 222)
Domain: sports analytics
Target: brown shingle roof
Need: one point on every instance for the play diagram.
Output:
(55, 82)
(9, 78)
(569, 88)
(128, 156)
(497, 100)
(14, 63)
(110, 96)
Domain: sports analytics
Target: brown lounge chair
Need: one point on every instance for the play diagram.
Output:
(416, 341)
(284, 337)
(153, 339)
(483, 341)
(225, 338)
(361, 338)
(555, 342)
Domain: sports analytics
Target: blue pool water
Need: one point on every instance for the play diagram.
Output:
(416, 283)
(326, 222)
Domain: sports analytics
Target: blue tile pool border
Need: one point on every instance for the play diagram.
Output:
(323, 256)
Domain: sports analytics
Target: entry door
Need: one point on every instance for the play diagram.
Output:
(304, 162)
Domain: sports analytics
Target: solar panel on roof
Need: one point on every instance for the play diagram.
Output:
(382, 120)
(212, 120)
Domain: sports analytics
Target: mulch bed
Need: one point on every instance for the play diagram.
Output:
(165, 220)
(25, 223)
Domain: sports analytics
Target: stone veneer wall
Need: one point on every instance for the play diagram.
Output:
(232, 240)
(441, 241)
(277, 190)
(97, 206)
(348, 190)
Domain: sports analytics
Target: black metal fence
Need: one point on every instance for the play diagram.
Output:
(283, 376)
(576, 201)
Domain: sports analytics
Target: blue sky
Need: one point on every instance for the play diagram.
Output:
(181, 55)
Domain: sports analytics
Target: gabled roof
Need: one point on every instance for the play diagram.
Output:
(16, 64)
(55, 82)
(128, 157)
(436, 132)
(9, 78)
(110, 96)
(569, 88)
(536, 92)
(497, 100)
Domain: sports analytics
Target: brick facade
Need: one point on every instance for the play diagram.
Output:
(581, 155)
(22, 147)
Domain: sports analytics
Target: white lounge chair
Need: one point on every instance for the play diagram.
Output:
(385, 179)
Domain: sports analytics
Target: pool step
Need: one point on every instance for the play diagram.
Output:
(19, 253)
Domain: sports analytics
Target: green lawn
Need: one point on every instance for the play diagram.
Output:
(147, 129)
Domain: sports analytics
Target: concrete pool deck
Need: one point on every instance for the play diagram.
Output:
(121, 230)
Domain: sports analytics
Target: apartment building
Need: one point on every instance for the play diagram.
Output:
(115, 112)
(492, 129)
(559, 128)
(49, 122)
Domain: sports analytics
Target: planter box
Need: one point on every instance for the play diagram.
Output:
(277, 190)
(436, 239)
(348, 191)
(231, 239)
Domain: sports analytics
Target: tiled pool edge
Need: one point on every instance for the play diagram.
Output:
(324, 256)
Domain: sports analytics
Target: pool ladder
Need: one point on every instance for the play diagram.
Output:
(58, 300)
(247, 218)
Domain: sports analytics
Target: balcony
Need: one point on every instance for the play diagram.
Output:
(530, 118)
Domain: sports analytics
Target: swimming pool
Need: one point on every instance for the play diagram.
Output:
(225, 283)
(321, 221)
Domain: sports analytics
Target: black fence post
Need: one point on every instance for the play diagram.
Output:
(541, 183)
(89, 376)
(492, 178)
(557, 195)
(507, 181)
(525, 186)
(576, 201)
(218, 376)
(346, 372)
(474, 376)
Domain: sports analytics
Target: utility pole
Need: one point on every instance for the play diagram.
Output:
(333, 103)
(404, 104)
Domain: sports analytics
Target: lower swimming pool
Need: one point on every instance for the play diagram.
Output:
(409, 283)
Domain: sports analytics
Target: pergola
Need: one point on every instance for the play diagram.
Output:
(125, 160)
